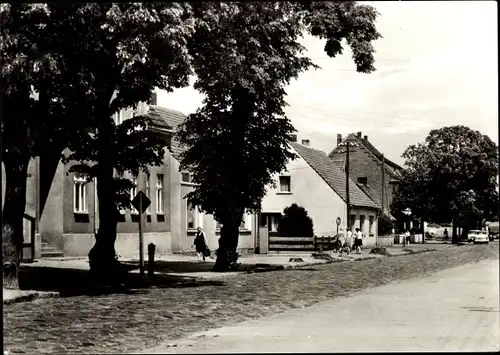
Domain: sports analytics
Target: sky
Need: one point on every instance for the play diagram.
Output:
(436, 66)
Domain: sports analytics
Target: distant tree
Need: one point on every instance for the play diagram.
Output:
(244, 55)
(450, 177)
(295, 222)
(384, 225)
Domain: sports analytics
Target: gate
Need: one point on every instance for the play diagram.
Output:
(28, 249)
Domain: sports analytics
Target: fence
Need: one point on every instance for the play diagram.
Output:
(278, 243)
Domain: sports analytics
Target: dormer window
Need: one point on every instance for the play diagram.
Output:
(363, 180)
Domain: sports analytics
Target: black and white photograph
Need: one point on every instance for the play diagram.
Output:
(249, 177)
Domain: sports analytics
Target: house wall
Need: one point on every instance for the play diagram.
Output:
(73, 233)
(310, 191)
(52, 218)
(362, 163)
(370, 238)
(246, 242)
(30, 206)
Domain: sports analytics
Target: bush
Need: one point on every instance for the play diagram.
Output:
(384, 225)
(295, 223)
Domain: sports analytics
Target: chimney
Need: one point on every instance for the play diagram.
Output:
(359, 134)
(339, 139)
(305, 142)
(365, 138)
(292, 137)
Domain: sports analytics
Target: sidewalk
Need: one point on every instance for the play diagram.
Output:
(14, 296)
(416, 315)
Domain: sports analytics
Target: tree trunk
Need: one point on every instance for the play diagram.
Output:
(102, 256)
(228, 242)
(16, 173)
(454, 238)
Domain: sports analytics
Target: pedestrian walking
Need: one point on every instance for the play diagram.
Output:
(358, 241)
(201, 244)
(407, 237)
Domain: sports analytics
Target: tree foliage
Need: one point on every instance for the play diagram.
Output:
(450, 177)
(384, 225)
(244, 56)
(94, 59)
(296, 223)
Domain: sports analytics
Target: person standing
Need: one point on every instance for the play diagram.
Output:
(343, 242)
(407, 238)
(200, 243)
(350, 239)
(358, 242)
(445, 234)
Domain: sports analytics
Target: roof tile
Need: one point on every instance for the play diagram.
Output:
(169, 119)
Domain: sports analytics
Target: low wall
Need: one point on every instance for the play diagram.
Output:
(126, 243)
(385, 241)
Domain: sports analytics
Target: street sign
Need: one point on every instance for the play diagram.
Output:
(139, 205)
(338, 221)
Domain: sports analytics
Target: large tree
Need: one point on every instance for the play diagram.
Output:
(118, 53)
(244, 56)
(28, 66)
(451, 177)
(98, 58)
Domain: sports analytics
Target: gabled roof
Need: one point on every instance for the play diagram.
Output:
(392, 167)
(169, 119)
(333, 176)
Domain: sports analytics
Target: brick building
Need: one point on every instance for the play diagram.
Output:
(365, 167)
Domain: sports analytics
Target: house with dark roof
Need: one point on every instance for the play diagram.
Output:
(368, 167)
(314, 182)
(69, 217)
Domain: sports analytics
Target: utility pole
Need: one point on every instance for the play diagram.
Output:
(383, 183)
(348, 220)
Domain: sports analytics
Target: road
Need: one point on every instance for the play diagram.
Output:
(142, 319)
(453, 310)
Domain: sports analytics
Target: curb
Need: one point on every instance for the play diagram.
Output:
(31, 297)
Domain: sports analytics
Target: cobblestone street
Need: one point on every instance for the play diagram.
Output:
(129, 322)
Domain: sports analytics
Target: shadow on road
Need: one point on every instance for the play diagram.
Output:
(73, 282)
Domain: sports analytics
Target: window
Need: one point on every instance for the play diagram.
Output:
(119, 174)
(273, 222)
(285, 184)
(118, 117)
(362, 220)
(370, 228)
(148, 194)
(159, 194)
(79, 194)
(186, 177)
(133, 192)
(363, 180)
(353, 221)
(191, 216)
(243, 225)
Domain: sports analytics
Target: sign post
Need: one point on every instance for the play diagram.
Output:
(141, 202)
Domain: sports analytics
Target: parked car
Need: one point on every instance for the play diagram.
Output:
(477, 236)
